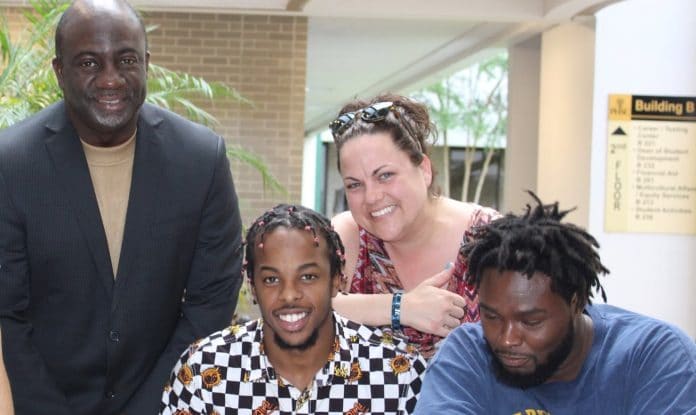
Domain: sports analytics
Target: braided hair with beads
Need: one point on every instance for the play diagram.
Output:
(537, 241)
(294, 217)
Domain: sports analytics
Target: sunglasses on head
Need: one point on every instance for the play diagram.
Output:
(374, 113)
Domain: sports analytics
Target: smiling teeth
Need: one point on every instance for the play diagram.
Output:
(382, 212)
(291, 318)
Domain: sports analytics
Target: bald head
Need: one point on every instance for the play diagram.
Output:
(95, 9)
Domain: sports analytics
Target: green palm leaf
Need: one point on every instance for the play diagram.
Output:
(269, 181)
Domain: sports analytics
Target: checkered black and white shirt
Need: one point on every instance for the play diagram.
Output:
(228, 373)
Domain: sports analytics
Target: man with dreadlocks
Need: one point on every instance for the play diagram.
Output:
(301, 357)
(541, 346)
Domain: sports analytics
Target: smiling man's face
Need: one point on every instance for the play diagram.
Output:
(294, 288)
(102, 71)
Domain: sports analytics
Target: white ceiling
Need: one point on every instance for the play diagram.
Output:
(363, 47)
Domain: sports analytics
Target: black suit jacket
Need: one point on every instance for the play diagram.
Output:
(76, 340)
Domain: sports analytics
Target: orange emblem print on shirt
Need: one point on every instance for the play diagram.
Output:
(182, 412)
(336, 348)
(400, 364)
(211, 377)
(355, 372)
(357, 409)
(185, 374)
(265, 408)
(341, 372)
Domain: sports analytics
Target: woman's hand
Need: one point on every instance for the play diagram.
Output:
(431, 308)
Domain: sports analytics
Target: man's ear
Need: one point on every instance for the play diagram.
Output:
(58, 70)
(576, 305)
(252, 287)
(335, 284)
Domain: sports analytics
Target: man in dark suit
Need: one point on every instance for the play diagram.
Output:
(119, 230)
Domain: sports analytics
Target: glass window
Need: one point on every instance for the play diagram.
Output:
(493, 183)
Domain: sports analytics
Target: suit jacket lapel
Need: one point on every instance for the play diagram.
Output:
(68, 157)
(142, 202)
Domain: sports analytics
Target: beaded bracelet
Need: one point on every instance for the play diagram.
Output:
(396, 311)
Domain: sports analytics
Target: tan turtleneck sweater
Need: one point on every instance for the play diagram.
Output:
(111, 169)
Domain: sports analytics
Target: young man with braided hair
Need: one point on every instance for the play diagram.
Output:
(541, 346)
(301, 357)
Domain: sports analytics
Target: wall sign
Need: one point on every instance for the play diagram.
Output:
(651, 164)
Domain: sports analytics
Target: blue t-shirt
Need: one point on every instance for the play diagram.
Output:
(637, 365)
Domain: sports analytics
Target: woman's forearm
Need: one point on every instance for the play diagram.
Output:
(368, 309)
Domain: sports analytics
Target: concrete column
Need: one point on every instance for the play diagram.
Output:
(523, 124)
(565, 118)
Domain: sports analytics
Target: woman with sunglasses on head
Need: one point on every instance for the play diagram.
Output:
(401, 237)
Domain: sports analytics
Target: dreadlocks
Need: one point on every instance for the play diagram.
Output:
(294, 217)
(538, 241)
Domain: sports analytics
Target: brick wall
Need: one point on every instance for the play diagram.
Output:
(264, 58)
(13, 18)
